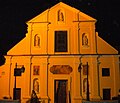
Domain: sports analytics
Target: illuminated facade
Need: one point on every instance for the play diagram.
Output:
(55, 52)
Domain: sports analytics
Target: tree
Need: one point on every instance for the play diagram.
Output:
(2, 60)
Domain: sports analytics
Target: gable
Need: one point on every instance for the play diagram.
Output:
(51, 13)
(39, 18)
(20, 48)
(105, 48)
(40, 25)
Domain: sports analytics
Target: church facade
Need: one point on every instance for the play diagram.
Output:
(64, 58)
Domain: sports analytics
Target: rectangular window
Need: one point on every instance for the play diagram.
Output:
(105, 71)
(61, 41)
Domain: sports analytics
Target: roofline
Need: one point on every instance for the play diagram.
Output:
(65, 55)
(86, 21)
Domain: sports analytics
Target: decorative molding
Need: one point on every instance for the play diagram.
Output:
(36, 70)
(61, 69)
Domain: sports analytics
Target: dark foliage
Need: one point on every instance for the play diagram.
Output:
(2, 60)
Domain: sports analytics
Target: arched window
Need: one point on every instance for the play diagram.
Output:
(60, 15)
(36, 40)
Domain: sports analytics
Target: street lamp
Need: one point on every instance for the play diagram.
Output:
(79, 70)
(80, 67)
(87, 94)
(17, 72)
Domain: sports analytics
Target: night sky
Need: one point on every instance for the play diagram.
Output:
(14, 14)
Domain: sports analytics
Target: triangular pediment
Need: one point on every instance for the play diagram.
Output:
(43, 17)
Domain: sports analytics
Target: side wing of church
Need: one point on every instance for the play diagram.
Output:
(64, 57)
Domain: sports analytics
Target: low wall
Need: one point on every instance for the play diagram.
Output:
(9, 101)
(110, 101)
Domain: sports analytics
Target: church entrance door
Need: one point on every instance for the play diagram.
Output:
(60, 91)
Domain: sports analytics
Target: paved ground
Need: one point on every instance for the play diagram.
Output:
(9, 101)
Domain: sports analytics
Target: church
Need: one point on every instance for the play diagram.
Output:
(62, 58)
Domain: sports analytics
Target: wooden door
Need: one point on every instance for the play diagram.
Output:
(60, 91)
(106, 94)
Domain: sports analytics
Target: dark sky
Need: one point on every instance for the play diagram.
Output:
(14, 14)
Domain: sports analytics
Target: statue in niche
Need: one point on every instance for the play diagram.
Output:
(84, 39)
(36, 40)
(60, 15)
(36, 85)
